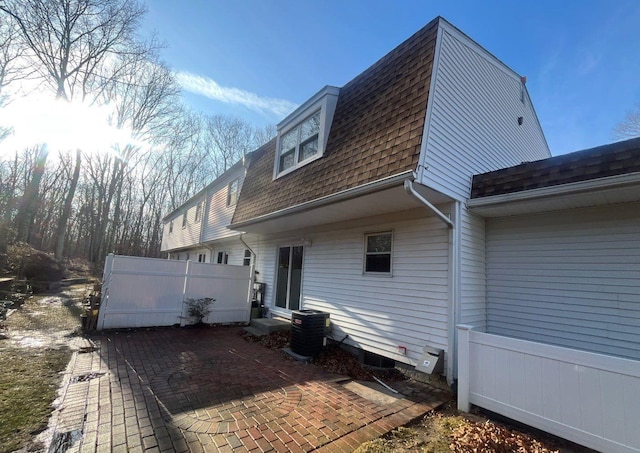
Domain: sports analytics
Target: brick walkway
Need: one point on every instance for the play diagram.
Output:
(211, 390)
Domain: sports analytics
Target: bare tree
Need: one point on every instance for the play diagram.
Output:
(74, 46)
(70, 41)
(227, 140)
(630, 126)
(263, 135)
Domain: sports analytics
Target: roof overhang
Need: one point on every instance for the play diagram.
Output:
(377, 198)
(594, 192)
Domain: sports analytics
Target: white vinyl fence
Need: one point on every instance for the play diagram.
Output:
(145, 292)
(591, 399)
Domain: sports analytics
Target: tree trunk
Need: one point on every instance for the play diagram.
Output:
(66, 211)
(28, 206)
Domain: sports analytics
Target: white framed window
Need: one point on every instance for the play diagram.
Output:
(247, 258)
(171, 227)
(222, 258)
(299, 143)
(202, 258)
(199, 212)
(232, 192)
(378, 252)
(184, 220)
(302, 136)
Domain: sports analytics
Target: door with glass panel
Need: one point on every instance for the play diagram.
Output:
(289, 277)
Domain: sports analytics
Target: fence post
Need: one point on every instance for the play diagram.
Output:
(187, 279)
(104, 293)
(464, 384)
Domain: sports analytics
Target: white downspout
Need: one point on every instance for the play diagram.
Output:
(408, 187)
(454, 271)
(252, 275)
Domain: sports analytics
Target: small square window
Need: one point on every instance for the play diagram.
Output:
(184, 220)
(232, 194)
(247, 258)
(378, 250)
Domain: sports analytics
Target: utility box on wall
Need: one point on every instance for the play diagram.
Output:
(431, 361)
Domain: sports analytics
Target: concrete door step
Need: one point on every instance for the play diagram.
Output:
(265, 326)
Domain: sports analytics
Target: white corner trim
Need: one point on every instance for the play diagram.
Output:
(422, 159)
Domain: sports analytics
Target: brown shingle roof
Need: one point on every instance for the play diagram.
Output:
(376, 132)
(607, 160)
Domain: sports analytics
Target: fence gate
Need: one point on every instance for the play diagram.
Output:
(146, 292)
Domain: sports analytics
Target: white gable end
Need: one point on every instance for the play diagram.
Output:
(479, 117)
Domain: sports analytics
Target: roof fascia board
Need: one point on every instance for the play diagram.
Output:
(347, 194)
(560, 189)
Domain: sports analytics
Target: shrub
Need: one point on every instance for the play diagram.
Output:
(24, 261)
(198, 309)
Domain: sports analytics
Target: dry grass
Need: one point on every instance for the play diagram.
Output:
(29, 381)
(33, 353)
(447, 431)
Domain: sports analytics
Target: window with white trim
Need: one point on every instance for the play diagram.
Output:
(303, 135)
(223, 258)
(247, 258)
(198, 212)
(202, 257)
(300, 143)
(232, 192)
(171, 227)
(378, 252)
(184, 220)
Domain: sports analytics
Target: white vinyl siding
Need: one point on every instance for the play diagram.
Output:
(567, 278)
(380, 313)
(214, 212)
(473, 126)
(472, 271)
(182, 236)
(219, 211)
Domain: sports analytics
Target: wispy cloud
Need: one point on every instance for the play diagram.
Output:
(210, 88)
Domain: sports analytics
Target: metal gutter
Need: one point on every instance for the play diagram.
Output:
(560, 189)
(344, 195)
(408, 187)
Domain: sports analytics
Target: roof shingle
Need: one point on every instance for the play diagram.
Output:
(600, 162)
(376, 132)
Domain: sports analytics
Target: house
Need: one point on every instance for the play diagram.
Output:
(197, 230)
(420, 207)
(358, 206)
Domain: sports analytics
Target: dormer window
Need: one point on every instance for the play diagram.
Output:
(300, 143)
(302, 136)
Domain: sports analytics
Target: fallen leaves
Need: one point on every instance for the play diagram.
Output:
(487, 437)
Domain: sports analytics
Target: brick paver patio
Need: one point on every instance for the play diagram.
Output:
(211, 390)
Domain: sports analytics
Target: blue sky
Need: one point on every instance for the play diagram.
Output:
(259, 59)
